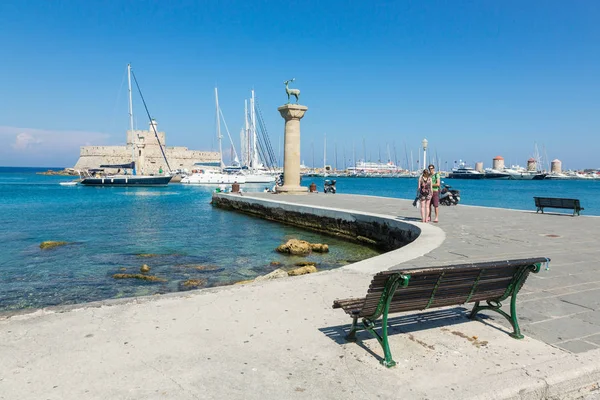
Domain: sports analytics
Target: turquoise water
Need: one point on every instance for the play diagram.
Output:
(108, 228)
(490, 193)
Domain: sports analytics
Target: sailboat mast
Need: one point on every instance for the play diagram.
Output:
(219, 137)
(253, 127)
(246, 143)
(335, 154)
(324, 152)
(131, 114)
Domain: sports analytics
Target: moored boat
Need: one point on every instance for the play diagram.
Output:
(495, 174)
(465, 172)
(211, 175)
(98, 177)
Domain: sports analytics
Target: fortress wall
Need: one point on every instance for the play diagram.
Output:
(179, 157)
(148, 155)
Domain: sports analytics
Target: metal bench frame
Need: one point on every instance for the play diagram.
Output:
(399, 280)
(557, 202)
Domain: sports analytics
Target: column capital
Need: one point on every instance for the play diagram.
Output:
(292, 111)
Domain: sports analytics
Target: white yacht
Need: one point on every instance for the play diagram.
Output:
(520, 173)
(491, 173)
(253, 175)
(465, 172)
(211, 175)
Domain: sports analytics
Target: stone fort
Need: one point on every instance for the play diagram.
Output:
(143, 148)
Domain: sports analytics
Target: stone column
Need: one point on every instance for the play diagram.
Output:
(292, 113)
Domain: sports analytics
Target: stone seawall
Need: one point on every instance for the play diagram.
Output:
(383, 233)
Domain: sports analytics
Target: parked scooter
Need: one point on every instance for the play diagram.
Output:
(329, 186)
(279, 180)
(449, 196)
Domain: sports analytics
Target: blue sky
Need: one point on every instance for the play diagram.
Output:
(476, 78)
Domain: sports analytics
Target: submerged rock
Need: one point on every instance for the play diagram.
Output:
(192, 283)
(305, 263)
(147, 255)
(207, 268)
(144, 269)
(202, 268)
(150, 278)
(49, 244)
(303, 270)
(274, 263)
(295, 247)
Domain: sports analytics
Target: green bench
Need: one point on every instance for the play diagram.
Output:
(397, 291)
(556, 202)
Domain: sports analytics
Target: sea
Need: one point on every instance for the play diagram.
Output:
(180, 236)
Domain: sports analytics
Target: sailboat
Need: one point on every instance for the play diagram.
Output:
(203, 174)
(253, 170)
(98, 176)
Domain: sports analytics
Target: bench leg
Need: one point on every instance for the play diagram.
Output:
(351, 337)
(497, 307)
(382, 339)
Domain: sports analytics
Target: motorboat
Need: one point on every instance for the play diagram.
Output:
(495, 174)
(520, 173)
(558, 176)
(465, 172)
(211, 175)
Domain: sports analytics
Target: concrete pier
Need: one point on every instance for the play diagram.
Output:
(282, 339)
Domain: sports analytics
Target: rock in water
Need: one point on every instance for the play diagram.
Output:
(150, 278)
(319, 248)
(192, 283)
(295, 247)
(144, 269)
(305, 263)
(49, 244)
(303, 270)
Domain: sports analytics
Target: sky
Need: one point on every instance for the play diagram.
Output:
(477, 79)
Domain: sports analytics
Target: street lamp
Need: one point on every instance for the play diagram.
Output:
(424, 143)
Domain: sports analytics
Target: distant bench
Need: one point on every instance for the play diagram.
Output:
(420, 289)
(553, 202)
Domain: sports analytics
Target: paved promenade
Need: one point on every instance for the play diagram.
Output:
(281, 339)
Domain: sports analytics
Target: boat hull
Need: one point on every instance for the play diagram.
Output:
(496, 176)
(255, 178)
(213, 179)
(466, 176)
(123, 181)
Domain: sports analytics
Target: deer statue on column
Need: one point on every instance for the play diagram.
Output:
(292, 92)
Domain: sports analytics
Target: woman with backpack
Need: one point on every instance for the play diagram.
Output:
(425, 192)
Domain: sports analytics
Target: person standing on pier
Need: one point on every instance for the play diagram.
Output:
(435, 198)
(425, 193)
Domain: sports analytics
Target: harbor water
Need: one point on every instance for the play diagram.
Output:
(172, 229)
(176, 232)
